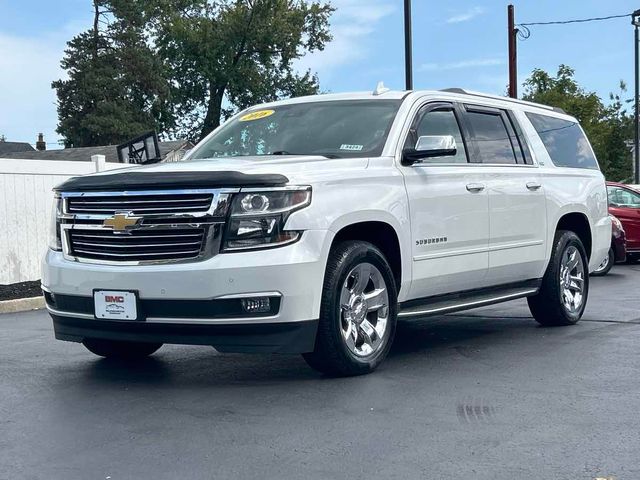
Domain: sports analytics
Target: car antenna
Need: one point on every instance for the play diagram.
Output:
(380, 89)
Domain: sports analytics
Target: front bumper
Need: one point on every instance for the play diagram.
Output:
(290, 337)
(189, 302)
(619, 246)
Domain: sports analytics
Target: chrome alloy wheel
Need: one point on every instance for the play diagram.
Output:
(364, 305)
(572, 279)
(603, 265)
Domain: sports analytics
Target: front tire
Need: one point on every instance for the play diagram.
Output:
(120, 350)
(357, 313)
(563, 294)
(606, 266)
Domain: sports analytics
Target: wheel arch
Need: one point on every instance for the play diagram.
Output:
(578, 223)
(381, 234)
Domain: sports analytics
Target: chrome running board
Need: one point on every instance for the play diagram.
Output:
(463, 301)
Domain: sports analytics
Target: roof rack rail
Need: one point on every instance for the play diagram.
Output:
(497, 97)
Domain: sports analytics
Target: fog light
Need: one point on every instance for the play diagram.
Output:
(256, 305)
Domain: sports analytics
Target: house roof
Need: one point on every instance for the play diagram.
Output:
(10, 147)
(84, 154)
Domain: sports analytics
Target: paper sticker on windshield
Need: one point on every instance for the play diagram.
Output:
(351, 148)
(249, 117)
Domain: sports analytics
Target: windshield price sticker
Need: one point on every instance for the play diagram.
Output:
(249, 117)
(351, 148)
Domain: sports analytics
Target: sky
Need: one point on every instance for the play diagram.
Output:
(459, 43)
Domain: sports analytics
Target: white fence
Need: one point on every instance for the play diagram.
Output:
(25, 208)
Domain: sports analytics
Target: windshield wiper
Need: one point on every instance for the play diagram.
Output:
(284, 152)
(281, 152)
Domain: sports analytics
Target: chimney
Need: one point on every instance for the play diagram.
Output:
(40, 144)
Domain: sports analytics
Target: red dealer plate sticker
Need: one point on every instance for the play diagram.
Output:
(115, 305)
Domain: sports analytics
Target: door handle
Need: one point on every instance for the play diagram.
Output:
(475, 187)
(533, 186)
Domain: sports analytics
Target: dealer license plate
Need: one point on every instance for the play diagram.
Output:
(115, 305)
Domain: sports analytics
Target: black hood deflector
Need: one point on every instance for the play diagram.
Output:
(169, 180)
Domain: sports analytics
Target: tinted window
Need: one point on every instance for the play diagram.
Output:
(621, 197)
(566, 144)
(355, 128)
(491, 137)
(440, 122)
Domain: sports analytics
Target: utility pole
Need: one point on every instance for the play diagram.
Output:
(408, 50)
(635, 20)
(513, 53)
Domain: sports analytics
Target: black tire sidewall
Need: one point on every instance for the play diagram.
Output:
(565, 240)
(354, 253)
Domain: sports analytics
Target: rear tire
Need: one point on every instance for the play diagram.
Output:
(632, 258)
(120, 350)
(606, 266)
(357, 312)
(563, 294)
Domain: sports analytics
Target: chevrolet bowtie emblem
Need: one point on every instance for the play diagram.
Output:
(122, 221)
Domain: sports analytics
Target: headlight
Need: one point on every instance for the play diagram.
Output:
(55, 242)
(257, 218)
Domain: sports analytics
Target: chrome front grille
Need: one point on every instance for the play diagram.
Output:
(159, 226)
(141, 204)
(160, 244)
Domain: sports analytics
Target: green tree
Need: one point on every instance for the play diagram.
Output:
(116, 86)
(608, 127)
(224, 55)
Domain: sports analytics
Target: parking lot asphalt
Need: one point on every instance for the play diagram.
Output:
(485, 394)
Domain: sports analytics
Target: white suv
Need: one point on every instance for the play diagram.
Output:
(311, 225)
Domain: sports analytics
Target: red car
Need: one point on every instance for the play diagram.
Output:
(624, 203)
(618, 250)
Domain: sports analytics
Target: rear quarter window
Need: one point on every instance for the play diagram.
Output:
(564, 140)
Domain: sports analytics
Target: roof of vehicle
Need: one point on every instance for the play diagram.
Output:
(384, 94)
(618, 184)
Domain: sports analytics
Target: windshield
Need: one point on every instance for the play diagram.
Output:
(336, 129)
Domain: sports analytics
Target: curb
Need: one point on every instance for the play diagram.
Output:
(21, 305)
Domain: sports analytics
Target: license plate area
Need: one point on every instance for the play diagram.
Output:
(115, 305)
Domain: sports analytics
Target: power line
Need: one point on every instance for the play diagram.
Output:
(581, 20)
(524, 32)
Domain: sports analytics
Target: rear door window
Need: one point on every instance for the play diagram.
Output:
(564, 140)
(492, 136)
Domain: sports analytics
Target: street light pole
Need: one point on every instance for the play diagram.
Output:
(408, 51)
(635, 20)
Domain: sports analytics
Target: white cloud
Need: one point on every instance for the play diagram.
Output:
(466, 16)
(476, 63)
(351, 23)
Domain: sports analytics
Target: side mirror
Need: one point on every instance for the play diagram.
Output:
(430, 146)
